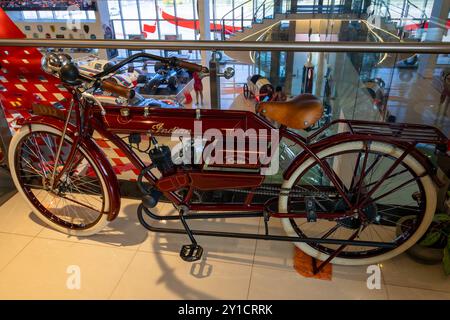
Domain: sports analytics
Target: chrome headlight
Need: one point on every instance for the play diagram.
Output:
(53, 62)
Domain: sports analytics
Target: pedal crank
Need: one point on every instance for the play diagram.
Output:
(189, 252)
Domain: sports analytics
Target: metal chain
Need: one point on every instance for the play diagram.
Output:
(275, 191)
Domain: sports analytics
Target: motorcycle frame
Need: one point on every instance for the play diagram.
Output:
(88, 119)
(111, 123)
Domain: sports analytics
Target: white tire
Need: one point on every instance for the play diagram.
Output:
(413, 164)
(18, 136)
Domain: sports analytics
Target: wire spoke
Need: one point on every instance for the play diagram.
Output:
(77, 199)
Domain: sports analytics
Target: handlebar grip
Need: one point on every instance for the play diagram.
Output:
(113, 87)
(191, 66)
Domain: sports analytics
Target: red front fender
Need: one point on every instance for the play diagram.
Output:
(96, 154)
(345, 137)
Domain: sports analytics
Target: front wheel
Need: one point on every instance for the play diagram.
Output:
(369, 174)
(78, 204)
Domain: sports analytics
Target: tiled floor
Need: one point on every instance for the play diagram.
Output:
(127, 262)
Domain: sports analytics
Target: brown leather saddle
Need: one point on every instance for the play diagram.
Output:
(299, 113)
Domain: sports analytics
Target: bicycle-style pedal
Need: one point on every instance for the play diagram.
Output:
(191, 252)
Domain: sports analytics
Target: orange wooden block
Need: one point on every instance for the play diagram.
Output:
(303, 264)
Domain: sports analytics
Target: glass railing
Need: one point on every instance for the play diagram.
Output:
(352, 85)
(406, 20)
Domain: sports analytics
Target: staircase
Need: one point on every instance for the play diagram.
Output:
(400, 21)
(250, 23)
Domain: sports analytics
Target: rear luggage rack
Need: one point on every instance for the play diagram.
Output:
(413, 133)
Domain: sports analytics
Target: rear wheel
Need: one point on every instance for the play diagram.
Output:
(78, 204)
(362, 170)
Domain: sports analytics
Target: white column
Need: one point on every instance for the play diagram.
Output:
(205, 34)
(101, 17)
(204, 22)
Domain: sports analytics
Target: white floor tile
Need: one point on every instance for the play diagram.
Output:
(216, 248)
(10, 246)
(16, 217)
(274, 254)
(403, 271)
(272, 284)
(123, 232)
(405, 293)
(34, 269)
(163, 276)
(40, 271)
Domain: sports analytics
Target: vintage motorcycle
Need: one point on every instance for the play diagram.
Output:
(340, 192)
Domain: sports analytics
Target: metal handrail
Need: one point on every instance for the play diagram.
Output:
(253, 14)
(233, 9)
(222, 20)
(408, 16)
(262, 5)
(394, 47)
(424, 14)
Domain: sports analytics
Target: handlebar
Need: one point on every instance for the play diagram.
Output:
(113, 87)
(191, 66)
(173, 62)
(61, 66)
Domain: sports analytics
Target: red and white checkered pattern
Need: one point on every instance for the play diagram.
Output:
(22, 83)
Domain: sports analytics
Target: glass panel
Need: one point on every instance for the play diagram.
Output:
(118, 30)
(147, 9)
(168, 31)
(80, 15)
(132, 29)
(45, 15)
(114, 9)
(62, 15)
(129, 9)
(30, 15)
(91, 15)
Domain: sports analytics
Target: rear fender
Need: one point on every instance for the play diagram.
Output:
(345, 137)
(97, 155)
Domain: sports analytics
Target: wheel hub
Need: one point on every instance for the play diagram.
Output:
(367, 214)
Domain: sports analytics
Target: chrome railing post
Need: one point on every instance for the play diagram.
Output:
(223, 30)
(214, 81)
(242, 18)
